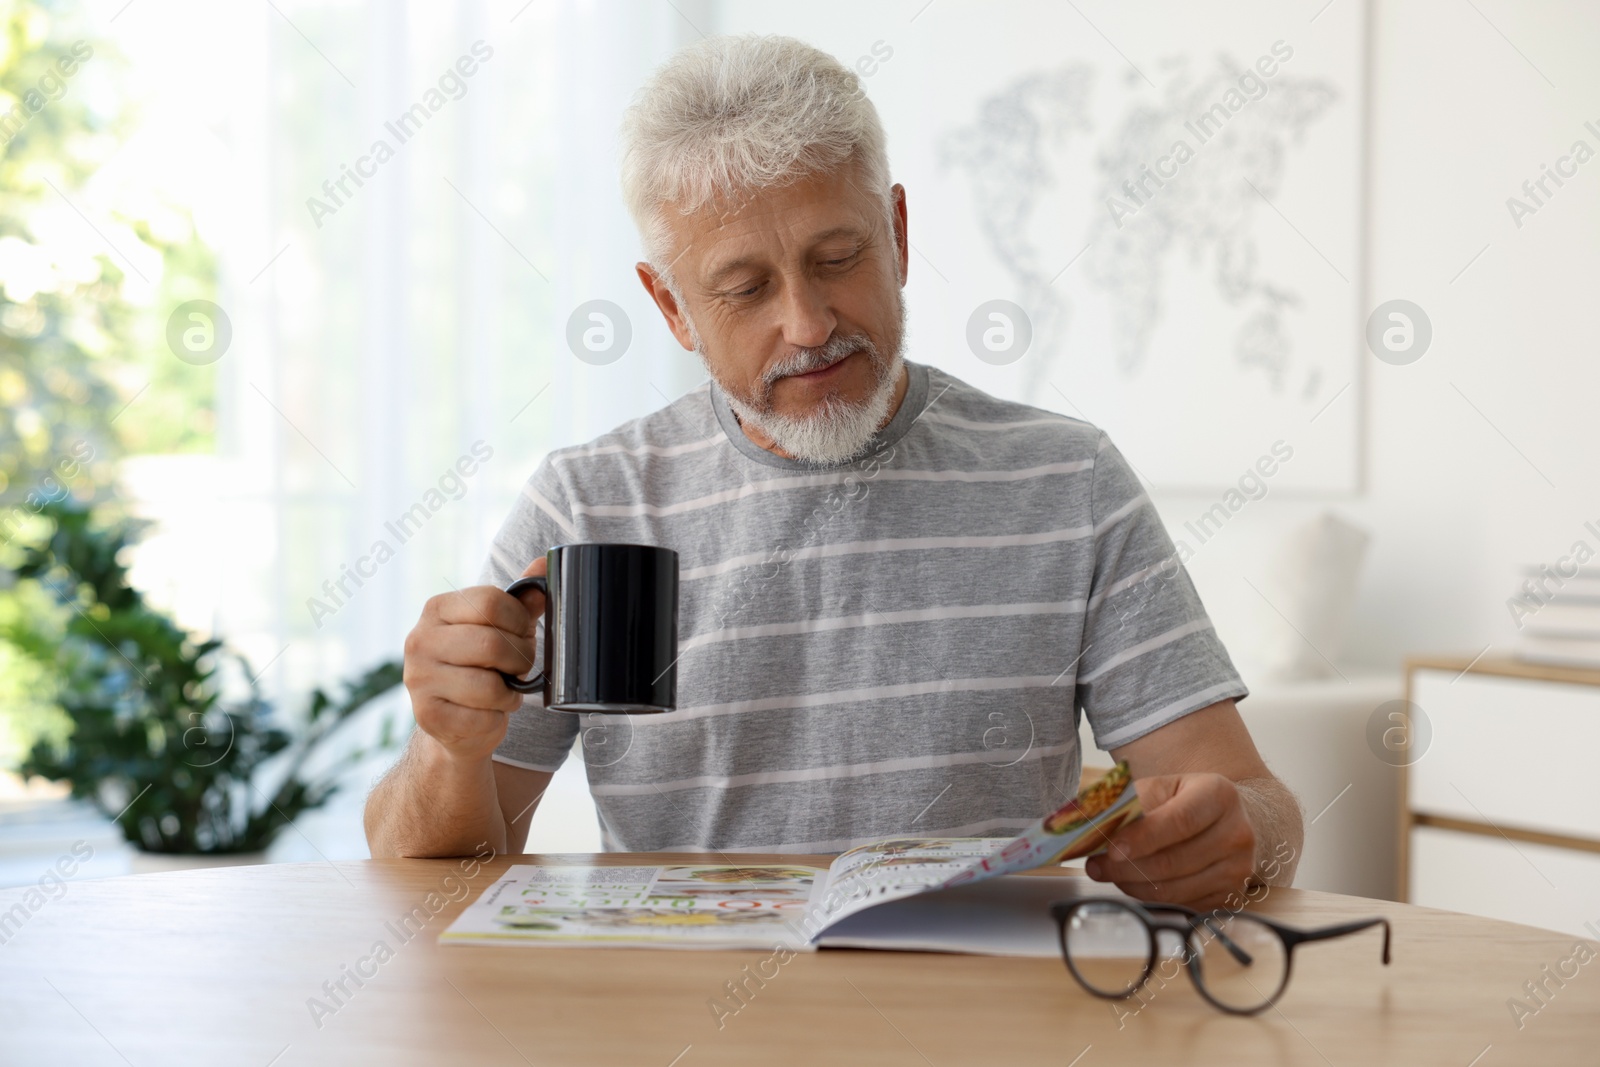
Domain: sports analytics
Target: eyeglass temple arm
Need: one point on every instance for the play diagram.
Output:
(1244, 958)
(1342, 929)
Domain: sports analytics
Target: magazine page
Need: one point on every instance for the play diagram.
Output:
(899, 868)
(1007, 916)
(681, 906)
(1080, 827)
(874, 874)
(760, 905)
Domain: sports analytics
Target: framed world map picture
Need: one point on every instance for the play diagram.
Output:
(1149, 216)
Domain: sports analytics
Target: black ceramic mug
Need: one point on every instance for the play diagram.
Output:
(610, 629)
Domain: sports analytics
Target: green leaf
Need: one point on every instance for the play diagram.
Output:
(150, 729)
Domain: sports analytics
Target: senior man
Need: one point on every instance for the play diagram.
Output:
(898, 592)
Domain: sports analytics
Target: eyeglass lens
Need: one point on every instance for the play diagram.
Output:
(1242, 963)
(1108, 948)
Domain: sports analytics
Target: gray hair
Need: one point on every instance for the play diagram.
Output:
(737, 114)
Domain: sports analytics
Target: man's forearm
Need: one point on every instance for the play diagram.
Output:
(1275, 815)
(432, 805)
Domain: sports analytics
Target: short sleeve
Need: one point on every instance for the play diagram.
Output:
(1149, 654)
(535, 738)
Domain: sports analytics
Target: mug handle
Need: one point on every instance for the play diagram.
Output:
(534, 581)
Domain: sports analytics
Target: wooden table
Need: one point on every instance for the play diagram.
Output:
(218, 966)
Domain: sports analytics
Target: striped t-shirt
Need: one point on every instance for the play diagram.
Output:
(899, 645)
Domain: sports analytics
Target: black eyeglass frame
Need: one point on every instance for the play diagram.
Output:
(1195, 923)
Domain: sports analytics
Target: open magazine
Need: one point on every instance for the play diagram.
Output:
(923, 893)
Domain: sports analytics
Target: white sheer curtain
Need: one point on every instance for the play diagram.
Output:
(377, 343)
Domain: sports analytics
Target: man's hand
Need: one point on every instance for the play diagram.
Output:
(1216, 823)
(1195, 844)
(451, 659)
(446, 796)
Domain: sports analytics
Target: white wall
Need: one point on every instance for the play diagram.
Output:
(1459, 121)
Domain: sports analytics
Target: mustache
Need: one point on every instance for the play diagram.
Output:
(806, 360)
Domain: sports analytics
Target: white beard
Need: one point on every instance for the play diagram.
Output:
(837, 430)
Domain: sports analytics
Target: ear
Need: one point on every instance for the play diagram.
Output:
(657, 288)
(902, 238)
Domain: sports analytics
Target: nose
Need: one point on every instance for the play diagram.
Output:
(808, 321)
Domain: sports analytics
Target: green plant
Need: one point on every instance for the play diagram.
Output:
(150, 728)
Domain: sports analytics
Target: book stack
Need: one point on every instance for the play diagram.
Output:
(1559, 618)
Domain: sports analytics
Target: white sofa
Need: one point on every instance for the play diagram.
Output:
(1314, 737)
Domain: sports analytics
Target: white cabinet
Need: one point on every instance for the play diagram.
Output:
(1501, 805)
(1509, 751)
(1517, 881)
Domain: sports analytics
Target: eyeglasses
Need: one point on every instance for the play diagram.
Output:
(1238, 962)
